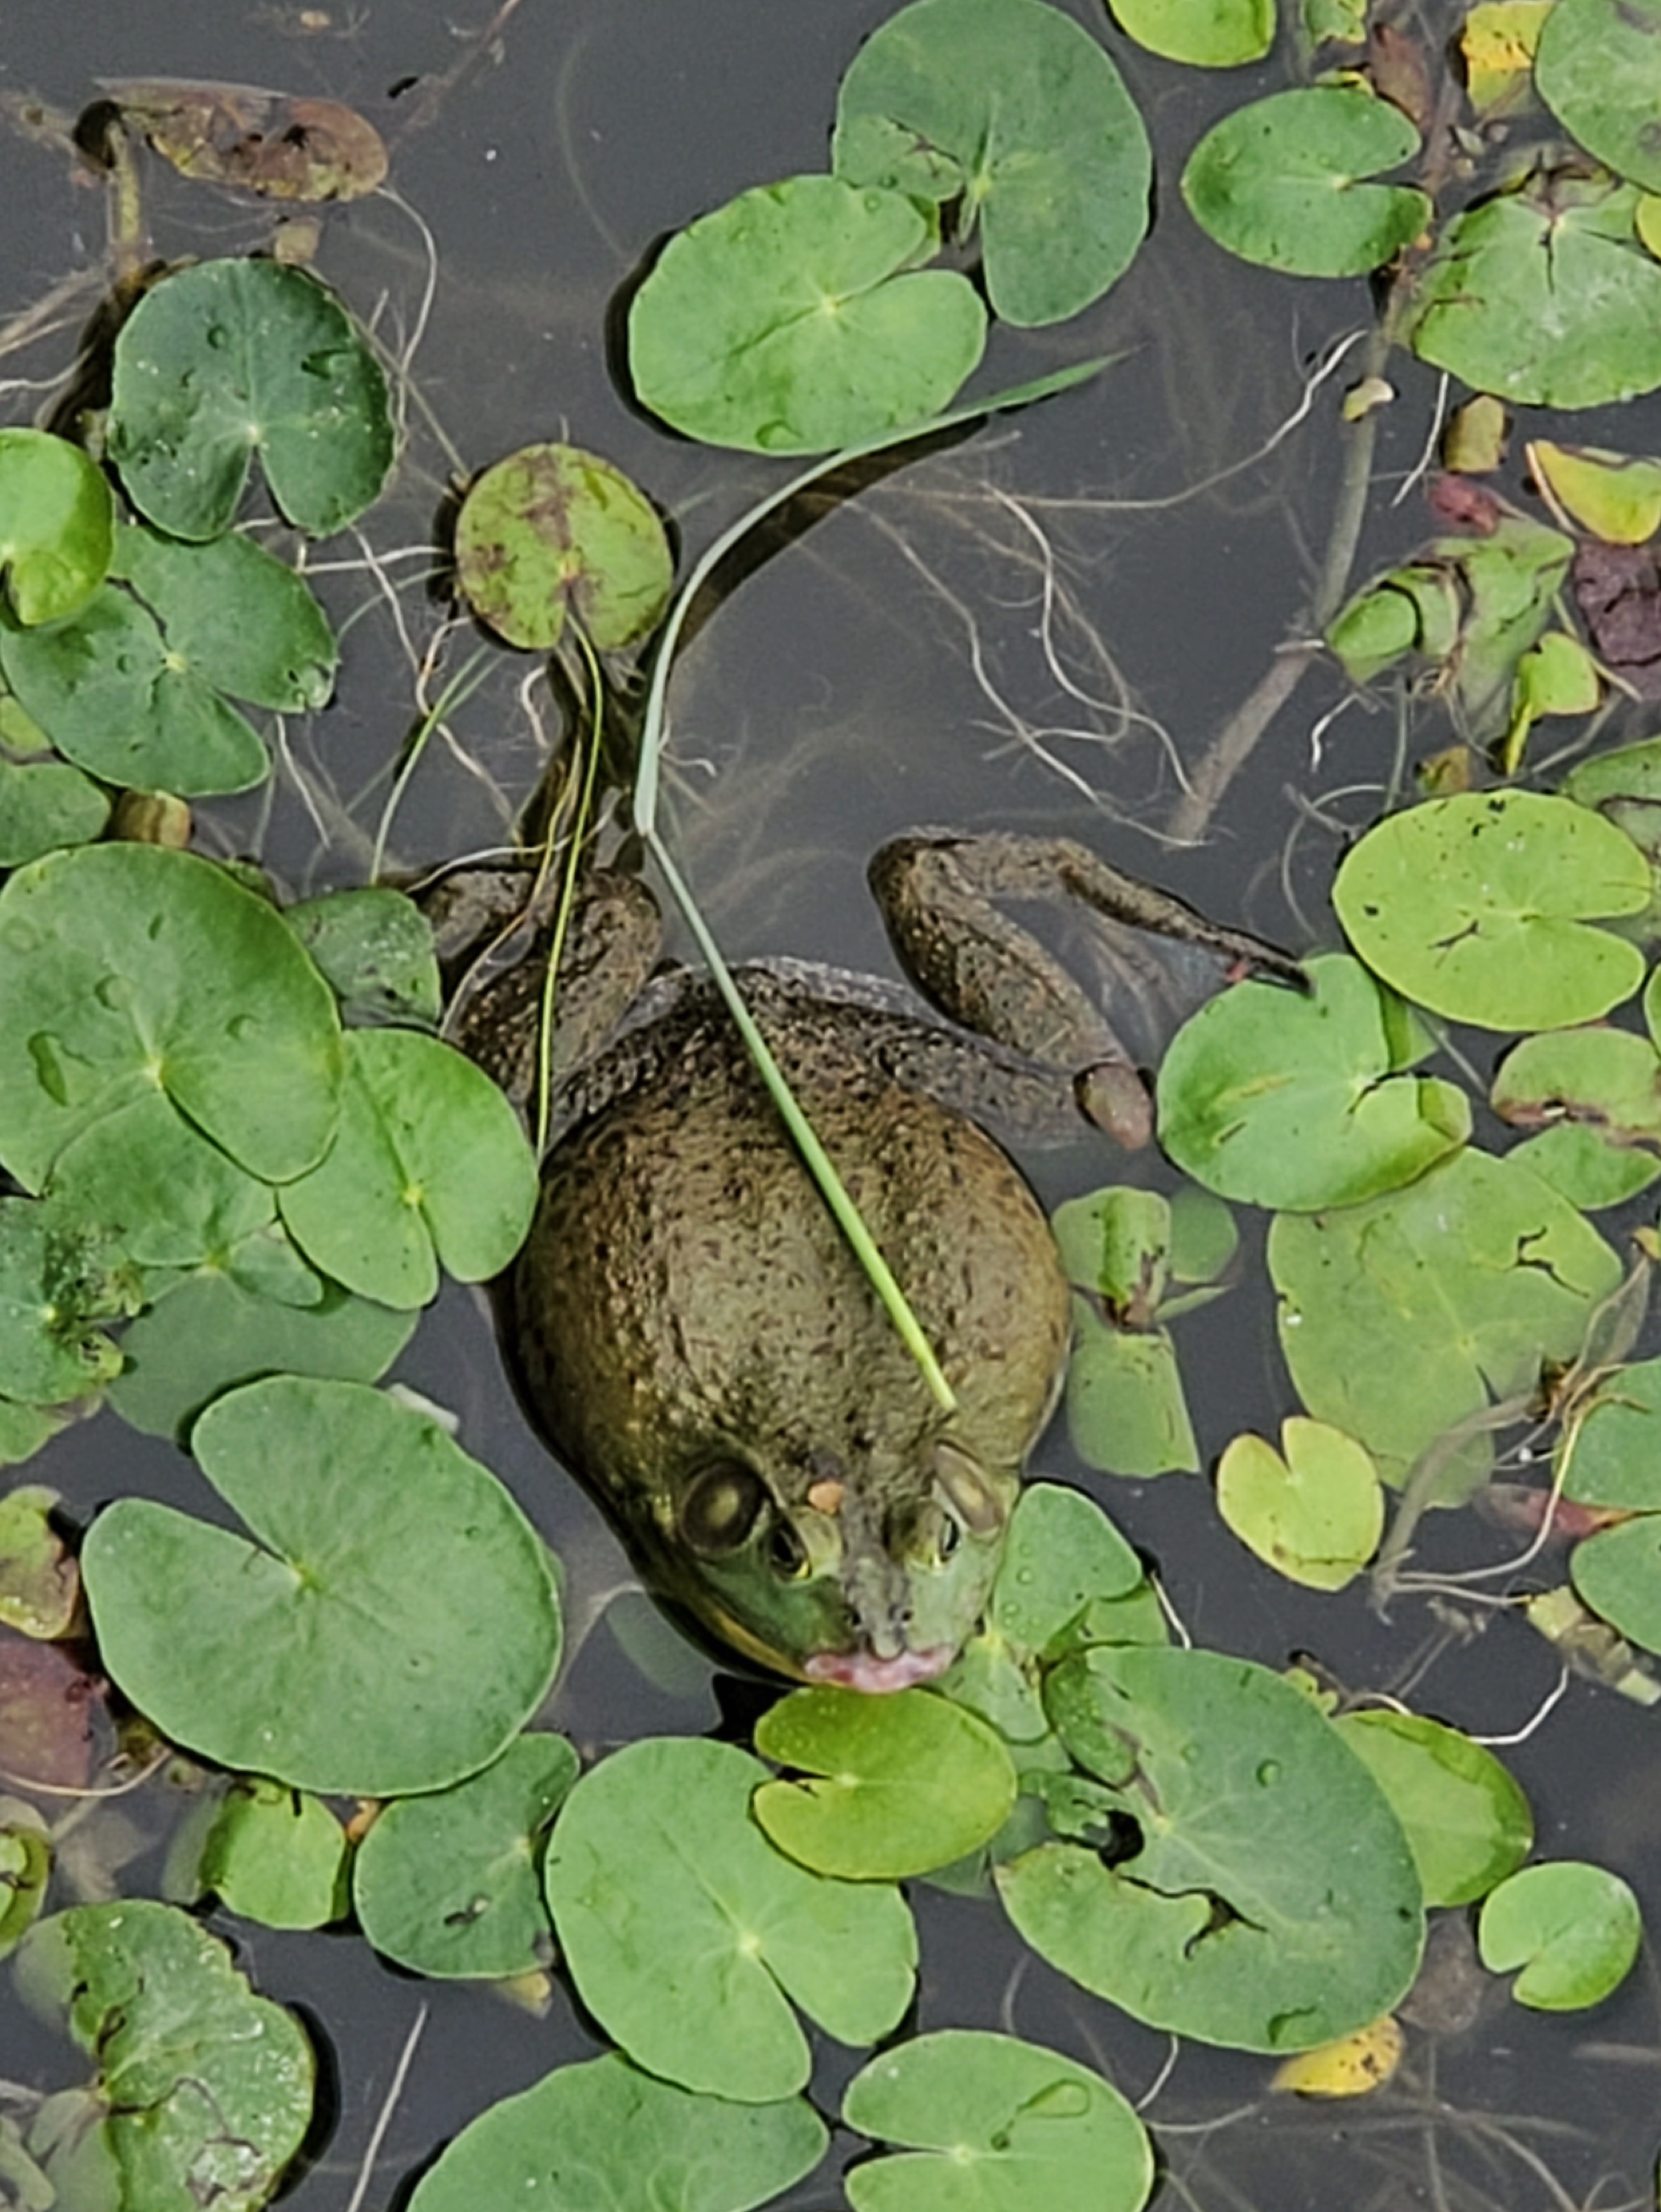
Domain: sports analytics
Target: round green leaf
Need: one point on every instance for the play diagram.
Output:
(209, 1332)
(1465, 1815)
(1062, 1554)
(276, 1856)
(1015, 111)
(56, 519)
(429, 1163)
(1618, 1574)
(1597, 67)
(450, 1884)
(1280, 182)
(374, 946)
(688, 1935)
(603, 2134)
(1545, 296)
(552, 530)
(171, 1197)
(1574, 1930)
(1614, 1456)
(794, 319)
(243, 619)
(1316, 1516)
(230, 358)
(993, 2124)
(1207, 33)
(127, 968)
(106, 689)
(45, 805)
(892, 1786)
(1467, 1281)
(1478, 907)
(204, 2091)
(1304, 1102)
(391, 1625)
(1272, 1904)
(1608, 1081)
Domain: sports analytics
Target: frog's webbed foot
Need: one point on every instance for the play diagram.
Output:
(938, 889)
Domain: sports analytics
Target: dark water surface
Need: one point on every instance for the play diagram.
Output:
(887, 669)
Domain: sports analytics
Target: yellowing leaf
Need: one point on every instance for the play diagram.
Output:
(1498, 43)
(1315, 1515)
(1617, 496)
(1475, 440)
(1556, 676)
(1646, 222)
(1354, 2066)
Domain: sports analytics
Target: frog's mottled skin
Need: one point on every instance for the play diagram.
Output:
(700, 1347)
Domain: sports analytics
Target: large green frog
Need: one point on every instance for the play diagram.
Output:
(692, 1335)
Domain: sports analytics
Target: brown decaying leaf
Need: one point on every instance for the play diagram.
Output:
(45, 1714)
(1618, 591)
(260, 141)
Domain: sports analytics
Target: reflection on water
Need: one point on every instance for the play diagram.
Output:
(1029, 630)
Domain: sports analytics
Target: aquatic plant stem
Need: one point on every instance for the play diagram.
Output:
(460, 689)
(819, 1162)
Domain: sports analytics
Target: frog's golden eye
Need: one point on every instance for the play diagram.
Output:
(787, 1555)
(719, 1507)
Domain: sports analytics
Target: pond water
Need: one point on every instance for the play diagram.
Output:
(1043, 626)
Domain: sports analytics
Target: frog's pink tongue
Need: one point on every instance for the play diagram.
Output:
(863, 1670)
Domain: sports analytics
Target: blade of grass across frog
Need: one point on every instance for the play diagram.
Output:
(568, 889)
(818, 1161)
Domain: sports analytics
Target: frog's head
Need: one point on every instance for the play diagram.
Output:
(873, 1586)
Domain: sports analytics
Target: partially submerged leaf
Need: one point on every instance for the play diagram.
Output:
(1354, 2066)
(282, 148)
(56, 523)
(276, 1856)
(1498, 41)
(46, 1704)
(1468, 1822)
(1612, 1456)
(40, 1582)
(1281, 182)
(1617, 496)
(374, 947)
(45, 805)
(1617, 589)
(552, 532)
(1618, 1574)
(389, 1624)
(795, 320)
(229, 358)
(1014, 110)
(1207, 33)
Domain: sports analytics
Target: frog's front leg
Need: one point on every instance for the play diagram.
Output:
(939, 891)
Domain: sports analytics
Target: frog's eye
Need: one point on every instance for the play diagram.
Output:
(719, 1507)
(948, 1538)
(787, 1555)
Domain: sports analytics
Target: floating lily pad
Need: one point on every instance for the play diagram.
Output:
(1617, 496)
(429, 1163)
(204, 2091)
(1207, 33)
(208, 1332)
(374, 947)
(241, 618)
(170, 1198)
(1014, 110)
(1469, 1281)
(25, 1872)
(229, 358)
(1499, 41)
(1354, 2066)
(1606, 1081)
(1240, 1918)
(1304, 1102)
(1465, 1817)
(1545, 296)
(1315, 1514)
(1126, 1410)
(389, 1626)
(46, 1705)
(988, 2123)
(1581, 1168)
(795, 320)
(1479, 907)
(45, 805)
(553, 532)
(1282, 182)
(890, 1786)
(450, 1884)
(58, 1282)
(1574, 1930)
(276, 1856)
(40, 1582)
(1615, 1457)
(1598, 70)
(161, 973)
(1618, 1573)
(58, 520)
(106, 688)
(1061, 1555)
(598, 2134)
(688, 1935)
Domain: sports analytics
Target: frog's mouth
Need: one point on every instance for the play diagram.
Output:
(863, 1670)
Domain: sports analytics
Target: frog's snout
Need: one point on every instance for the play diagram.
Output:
(863, 1670)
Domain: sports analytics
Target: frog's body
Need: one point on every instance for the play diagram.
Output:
(701, 1347)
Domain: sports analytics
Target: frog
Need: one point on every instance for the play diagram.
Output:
(686, 1326)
